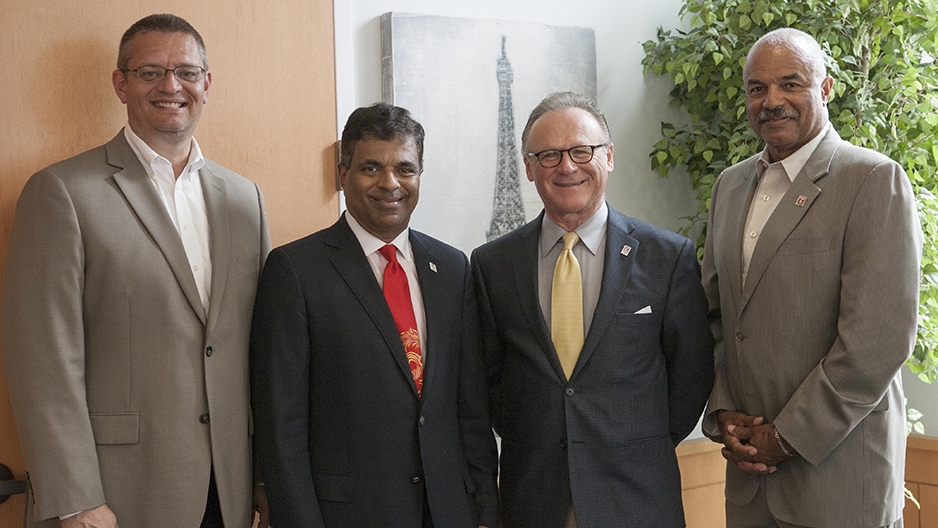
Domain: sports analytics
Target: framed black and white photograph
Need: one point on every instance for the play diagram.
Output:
(472, 83)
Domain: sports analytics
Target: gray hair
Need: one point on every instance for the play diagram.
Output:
(557, 101)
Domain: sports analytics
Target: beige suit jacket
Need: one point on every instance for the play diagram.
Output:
(813, 341)
(125, 391)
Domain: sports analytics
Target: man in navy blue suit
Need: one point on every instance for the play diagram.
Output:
(589, 429)
(358, 422)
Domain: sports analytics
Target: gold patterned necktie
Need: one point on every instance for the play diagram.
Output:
(566, 306)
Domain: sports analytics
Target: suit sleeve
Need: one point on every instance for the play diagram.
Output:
(720, 398)
(877, 318)
(265, 229)
(688, 345)
(474, 423)
(280, 363)
(44, 351)
(493, 349)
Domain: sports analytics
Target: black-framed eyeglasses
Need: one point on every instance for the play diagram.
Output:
(579, 154)
(186, 74)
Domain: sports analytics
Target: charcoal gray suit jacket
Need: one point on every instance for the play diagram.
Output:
(342, 436)
(604, 440)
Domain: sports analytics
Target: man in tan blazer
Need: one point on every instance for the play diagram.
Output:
(811, 268)
(127, 300)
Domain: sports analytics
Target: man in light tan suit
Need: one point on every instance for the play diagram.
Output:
(811, 268)
(127, 300)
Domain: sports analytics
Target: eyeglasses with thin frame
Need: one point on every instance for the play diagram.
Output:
(579, 154)
(186, 74)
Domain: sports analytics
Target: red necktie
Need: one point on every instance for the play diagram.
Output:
(397, 293)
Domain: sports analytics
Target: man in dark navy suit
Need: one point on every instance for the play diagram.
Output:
(591, 388)
(368, 386)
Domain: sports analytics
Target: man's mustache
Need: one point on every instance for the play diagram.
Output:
(778, 113)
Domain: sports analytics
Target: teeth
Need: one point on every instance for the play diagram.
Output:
(169, 105)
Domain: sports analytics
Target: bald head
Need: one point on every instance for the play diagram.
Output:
(795, 42)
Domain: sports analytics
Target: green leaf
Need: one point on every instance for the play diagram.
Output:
(717, 58)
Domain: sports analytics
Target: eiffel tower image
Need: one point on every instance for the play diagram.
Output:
(507, 209)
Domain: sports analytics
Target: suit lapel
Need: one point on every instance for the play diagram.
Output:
(789, 212)
(216, 204)
(524, 268)
(738, 196)
(143, 198)
(352, 265)
(434, 307)
(617, 269)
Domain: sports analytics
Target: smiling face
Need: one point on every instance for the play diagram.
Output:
(165, 111)
(382, 185)
(786, 96)
(571, 192)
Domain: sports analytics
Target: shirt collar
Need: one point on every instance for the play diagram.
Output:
(370, 243)
(591, 231)
(797, 160)
(149, 158)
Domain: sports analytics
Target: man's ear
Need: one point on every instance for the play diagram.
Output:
(119, 80)
(530, 163)
(342, 173)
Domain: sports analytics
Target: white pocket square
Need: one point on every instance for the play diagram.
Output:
(644, 310)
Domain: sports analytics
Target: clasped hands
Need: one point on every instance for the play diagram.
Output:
(750, 443)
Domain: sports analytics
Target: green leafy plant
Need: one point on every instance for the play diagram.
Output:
(882, 58)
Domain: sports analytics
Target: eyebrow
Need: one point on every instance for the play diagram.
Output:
(789, 77)
(377, 163)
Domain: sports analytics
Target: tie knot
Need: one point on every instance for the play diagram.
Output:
(570, 239)
(389, 252)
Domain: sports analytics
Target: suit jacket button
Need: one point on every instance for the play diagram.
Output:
(569, 391)
(208, 351)
(421, 421)
(416, 480)
(563, 443)
(740, 337)
(203, 419)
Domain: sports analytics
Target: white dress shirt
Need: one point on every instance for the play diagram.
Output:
(589, 253)
(185, 203)
(405, 256)
(774, 181)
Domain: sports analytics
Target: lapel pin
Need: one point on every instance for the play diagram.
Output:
(433, 267)
(626, 249)
(801, 200)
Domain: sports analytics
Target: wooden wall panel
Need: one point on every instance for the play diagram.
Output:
(921, 474)
(703, 472)
(928, 497)
(910, 514)
(270, 113)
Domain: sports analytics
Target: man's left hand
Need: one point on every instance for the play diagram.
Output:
(768, 453)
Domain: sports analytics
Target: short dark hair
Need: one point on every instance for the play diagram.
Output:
(558, 100)
(164, 23)
(380, 121)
